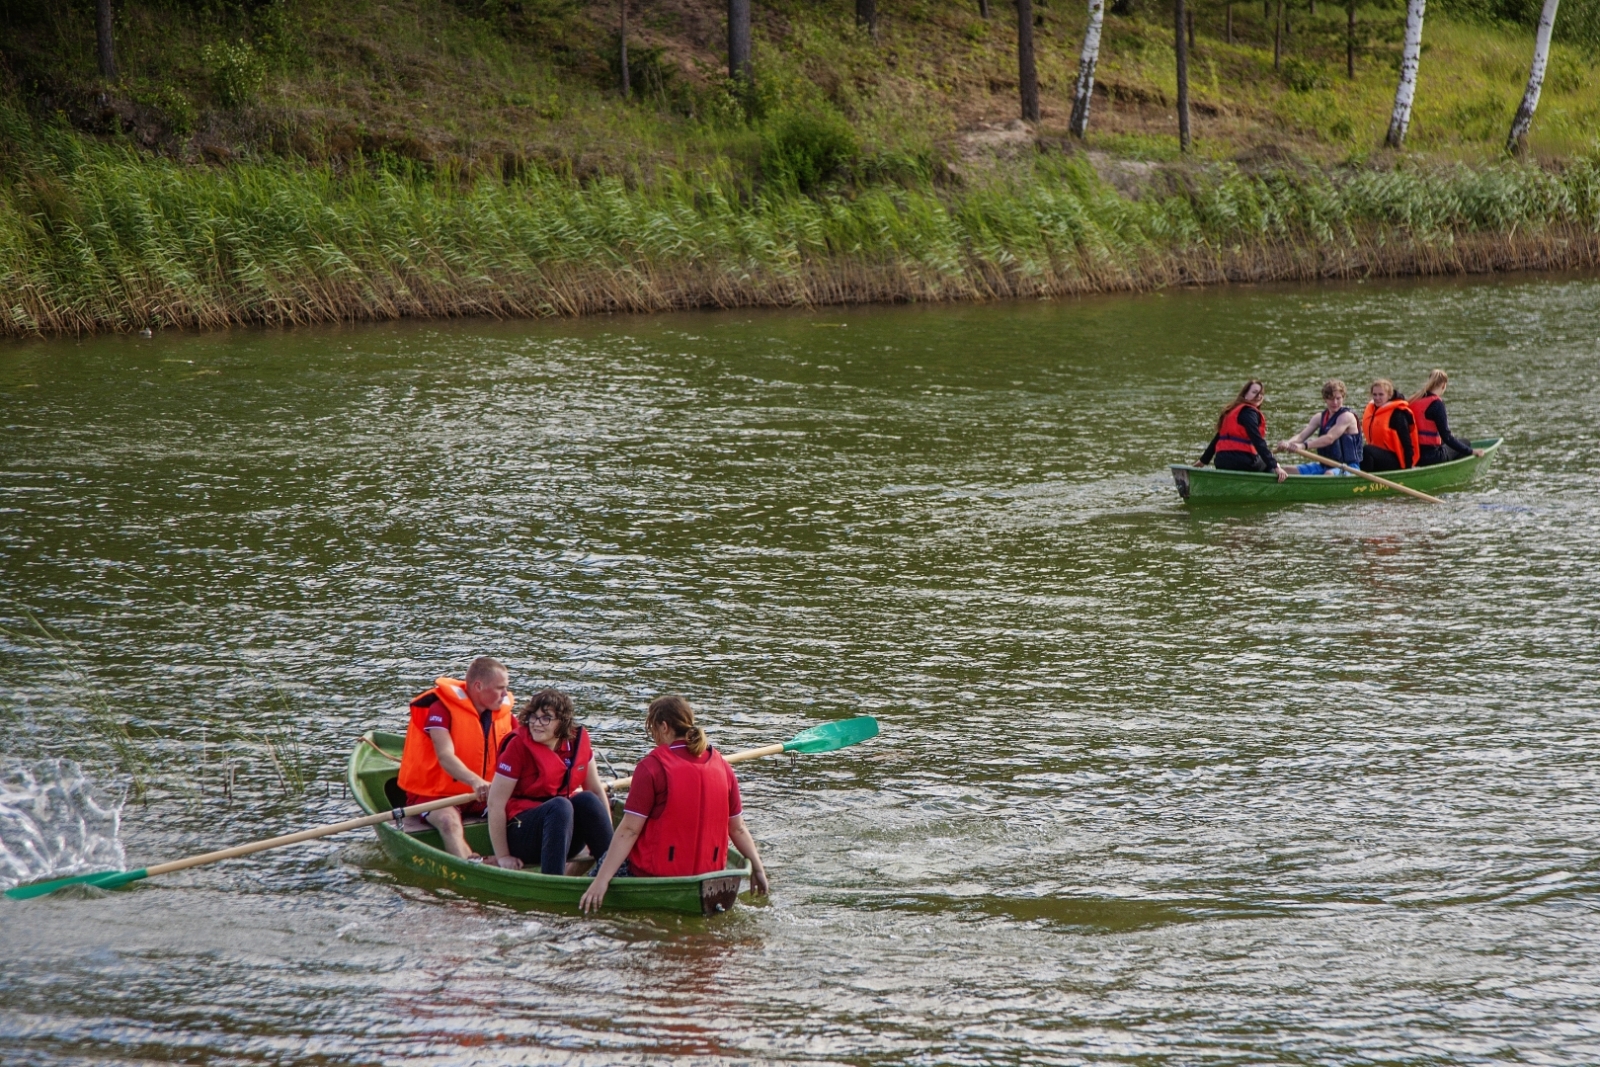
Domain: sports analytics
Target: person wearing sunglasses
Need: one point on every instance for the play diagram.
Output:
(546, 802)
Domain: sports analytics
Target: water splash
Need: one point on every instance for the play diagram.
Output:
(51, 825)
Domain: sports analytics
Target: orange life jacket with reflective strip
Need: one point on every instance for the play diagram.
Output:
(1231, 434)
(1375, 429)
(1427, 429)
(476, 741)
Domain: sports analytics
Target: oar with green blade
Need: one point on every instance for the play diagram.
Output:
(824, 738)
(112, 879)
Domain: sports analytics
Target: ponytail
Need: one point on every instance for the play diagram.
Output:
(695, 740)
(676, 713)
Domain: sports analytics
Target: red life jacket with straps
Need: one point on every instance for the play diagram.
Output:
(1231, 434)
(561, 773)
(690, 836)
(475, 745)
(1427, 430)
(1376, 429)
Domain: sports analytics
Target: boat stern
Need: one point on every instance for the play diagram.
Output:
(1180, 476)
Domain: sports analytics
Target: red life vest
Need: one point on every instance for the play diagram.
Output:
(420, 773)
(690, 836)
(1375, 429)
(558, 776)
(1231, 435)
(1427, 429)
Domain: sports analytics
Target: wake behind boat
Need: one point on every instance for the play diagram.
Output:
(1207, 485)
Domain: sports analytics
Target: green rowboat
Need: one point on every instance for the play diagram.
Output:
(1207, 485)
(374, 764)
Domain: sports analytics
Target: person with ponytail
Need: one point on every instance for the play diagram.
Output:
(1435, 442)
(1240, 443)
(546, 802)
(682, 809)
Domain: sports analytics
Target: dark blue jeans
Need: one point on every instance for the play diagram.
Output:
(557, 830)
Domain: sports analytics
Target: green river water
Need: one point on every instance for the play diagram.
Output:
(1156, 785)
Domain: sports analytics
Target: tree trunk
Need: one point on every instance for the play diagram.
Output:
(1180, 46)
(1122, 8)
(1087, 60)
(1190, 27)
(1517, 142)
(1277, 39)
(739, 39)
(102, 40)
(867, 16)
(983, 8)
(1230, 23)
(1410, 54)
(1311, 9)
(622, 48)
(1350, 41)
(1027, 73)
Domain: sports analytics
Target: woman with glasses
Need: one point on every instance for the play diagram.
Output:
(546, 802)
(683, 809)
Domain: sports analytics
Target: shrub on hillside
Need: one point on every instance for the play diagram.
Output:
(803, 149)
(237, 72)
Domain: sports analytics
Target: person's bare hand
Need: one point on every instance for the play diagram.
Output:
(594, 896)
(483, 793)
(758, 881)
(1282, 474)
(505, 863)
(1478, 452)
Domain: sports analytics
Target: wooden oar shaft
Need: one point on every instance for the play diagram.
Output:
(1396, 486)
(737, 757)
(306, 835)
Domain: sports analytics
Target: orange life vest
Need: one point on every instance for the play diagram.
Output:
(1375, 429)
(690, 836)
(476, 740)
(1427, 429)
(1231, 434)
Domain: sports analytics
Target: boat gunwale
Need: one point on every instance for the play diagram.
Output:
(1464, 466)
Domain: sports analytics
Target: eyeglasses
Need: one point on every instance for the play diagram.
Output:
(541, 717)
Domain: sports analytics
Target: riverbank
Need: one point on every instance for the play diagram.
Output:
(96, 238)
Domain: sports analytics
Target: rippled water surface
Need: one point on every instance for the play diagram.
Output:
(1306, 784)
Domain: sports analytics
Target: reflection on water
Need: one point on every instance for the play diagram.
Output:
(1305, 784)
(51, 825)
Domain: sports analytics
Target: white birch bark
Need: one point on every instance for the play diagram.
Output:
(1410, 54)
(1518, 140)
(1086, 64)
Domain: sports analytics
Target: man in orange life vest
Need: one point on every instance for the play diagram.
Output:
(455, 732)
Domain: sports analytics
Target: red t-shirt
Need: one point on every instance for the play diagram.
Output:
(647, 796)
(517, 761)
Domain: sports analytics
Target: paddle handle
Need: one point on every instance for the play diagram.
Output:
(737, 757)
(1406, 489)
(306, 835)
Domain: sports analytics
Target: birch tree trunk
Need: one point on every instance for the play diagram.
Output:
(1410, 54)
(1087, 60)
(102, 40)
(739, 39)
(1027, 72)
(1517, 142)
(1180, 46)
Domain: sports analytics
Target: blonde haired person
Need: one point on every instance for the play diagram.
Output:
(1332, 432)
(682, 809)
(1435, 442)
(1388, 431)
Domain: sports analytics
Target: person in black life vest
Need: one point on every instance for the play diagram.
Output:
(1240, 443)
(1388, 431)
(1435, 442)
(546, 802)
(1332, 432)
(682, 809)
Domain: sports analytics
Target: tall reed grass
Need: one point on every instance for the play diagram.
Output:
(95, 238)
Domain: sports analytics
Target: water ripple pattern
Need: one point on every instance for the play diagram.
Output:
(1305, 784)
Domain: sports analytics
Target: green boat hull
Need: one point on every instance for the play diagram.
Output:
(369, 769)
(1207, 485)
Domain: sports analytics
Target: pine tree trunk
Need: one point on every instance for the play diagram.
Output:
(1087, 60)
(1517, 142)
(983, 8)
(622, 48)
(1410, 55)
(739, 39)
(1027, 73)
(867, 16)
(1180, 45)
(102, 40)
(1277, 39)
(1350, 41)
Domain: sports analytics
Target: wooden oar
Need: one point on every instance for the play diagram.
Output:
(824, 738)
(1407, 490)
(112, 879)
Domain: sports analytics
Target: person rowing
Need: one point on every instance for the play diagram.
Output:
(1388, 430)
(682, 809)
(1240, 443)
(1332, 432)
(456, 729)
(1435, 442)
(546, 802)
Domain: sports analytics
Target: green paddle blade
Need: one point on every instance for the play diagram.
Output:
(832, 735)
(100, 880)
